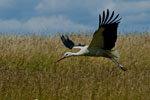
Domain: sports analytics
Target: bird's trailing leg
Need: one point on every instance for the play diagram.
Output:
(118, 64)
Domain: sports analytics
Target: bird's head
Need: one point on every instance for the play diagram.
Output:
(66, 55)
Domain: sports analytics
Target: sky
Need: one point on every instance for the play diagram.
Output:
(60, 16)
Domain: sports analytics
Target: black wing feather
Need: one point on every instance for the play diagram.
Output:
(110, 17)
(68, 43)
(114, 19)
(103, 17)
(99, 20)
(110, 30)
(106, 16)
(118, 21)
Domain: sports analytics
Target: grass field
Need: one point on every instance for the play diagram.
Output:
(28, 70)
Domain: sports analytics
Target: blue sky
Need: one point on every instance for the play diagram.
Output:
(52, 16)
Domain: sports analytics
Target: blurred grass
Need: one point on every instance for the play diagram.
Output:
(28, 70)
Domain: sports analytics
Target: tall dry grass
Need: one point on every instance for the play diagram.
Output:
(28, 70)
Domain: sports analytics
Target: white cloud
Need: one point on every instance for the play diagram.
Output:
(6, 3)
(42, 24)
(133, 12)
(127, 9)
(123, 6)
(53, 24)
(72, 5)
(131, 7)
(140, 18)
(52, 5)
(9, 25)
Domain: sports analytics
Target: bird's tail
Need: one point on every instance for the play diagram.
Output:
(115, 53)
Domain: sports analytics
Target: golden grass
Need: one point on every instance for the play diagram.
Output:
(28, 71)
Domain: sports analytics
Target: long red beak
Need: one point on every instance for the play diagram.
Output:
(63, 57)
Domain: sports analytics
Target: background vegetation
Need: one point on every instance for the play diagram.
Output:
(28, 70)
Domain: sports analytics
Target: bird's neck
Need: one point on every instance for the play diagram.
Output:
(82, 52)
(75, 54)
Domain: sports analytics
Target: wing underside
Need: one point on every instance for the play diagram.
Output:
(106, 35)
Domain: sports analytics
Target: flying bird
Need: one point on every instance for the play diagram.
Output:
(102, 42)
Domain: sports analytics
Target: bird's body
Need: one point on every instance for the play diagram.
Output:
(95, 52)
(103, 41)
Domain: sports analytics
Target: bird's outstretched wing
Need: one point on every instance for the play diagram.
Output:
(106, 35)
(69, 43)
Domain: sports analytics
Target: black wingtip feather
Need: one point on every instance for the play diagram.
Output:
(103, 17)
(106, 20)
(107, 15)
(99, 20)
(64, 41)
(114, 19)
(110, 17)
(67, 42)
(118, 21)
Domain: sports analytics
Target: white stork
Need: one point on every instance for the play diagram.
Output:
(103, 41)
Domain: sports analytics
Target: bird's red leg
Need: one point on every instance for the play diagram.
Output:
(117, 63)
